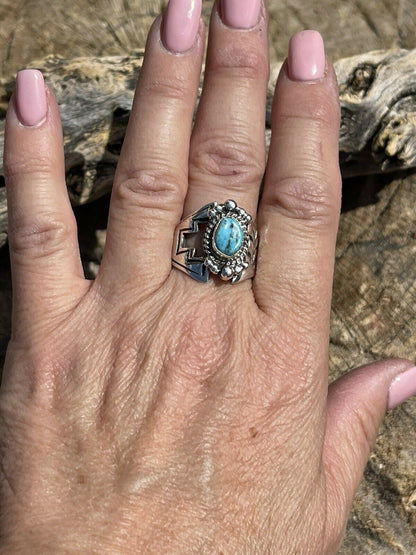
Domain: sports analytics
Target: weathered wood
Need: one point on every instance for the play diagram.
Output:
(378, 104)
(378, 124)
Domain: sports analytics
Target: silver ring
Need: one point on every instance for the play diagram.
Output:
(217, 239)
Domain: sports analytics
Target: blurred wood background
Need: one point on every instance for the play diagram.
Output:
(374, 301)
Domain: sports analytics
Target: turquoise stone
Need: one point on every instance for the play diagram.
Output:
(228, 236)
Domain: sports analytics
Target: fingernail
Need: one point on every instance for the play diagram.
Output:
(402, 388)
(240, 14)
(181, 24)
(306, 59)
(30, 97)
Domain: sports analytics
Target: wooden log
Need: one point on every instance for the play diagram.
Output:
(378, 122)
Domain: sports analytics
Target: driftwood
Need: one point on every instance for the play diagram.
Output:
(378, 126)
(378, 103)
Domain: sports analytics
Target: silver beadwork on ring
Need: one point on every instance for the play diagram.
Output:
(219, 239)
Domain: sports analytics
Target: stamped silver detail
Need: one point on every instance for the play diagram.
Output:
(199, 251)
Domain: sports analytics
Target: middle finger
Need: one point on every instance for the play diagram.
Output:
(227, 152)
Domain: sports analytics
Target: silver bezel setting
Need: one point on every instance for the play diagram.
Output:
(227, 267)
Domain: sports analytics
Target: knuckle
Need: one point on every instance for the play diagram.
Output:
(317, 121)
(16, 167)
(321, 109)
(149, 188)
(43, 237)
(167, 88)
(308, 199)
(365, 426)
(235, 160)
(239, 62)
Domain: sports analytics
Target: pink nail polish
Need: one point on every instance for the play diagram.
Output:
(240, 14)
(402, 388)
(306, 59)
(30, 97)
(181, 24)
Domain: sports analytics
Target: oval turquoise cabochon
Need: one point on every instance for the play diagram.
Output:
(228, 236)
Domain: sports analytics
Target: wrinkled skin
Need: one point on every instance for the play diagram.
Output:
(145, 412)
(174, 431)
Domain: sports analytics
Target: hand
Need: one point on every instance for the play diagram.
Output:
(145, 412)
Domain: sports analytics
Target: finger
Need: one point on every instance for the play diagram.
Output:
(44, 252)
(356, 406)
(299, 212)
(152, 175)
(227, 158)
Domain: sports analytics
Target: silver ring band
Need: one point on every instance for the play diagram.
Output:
(217, 239)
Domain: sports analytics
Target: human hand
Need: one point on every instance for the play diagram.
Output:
(146, 412)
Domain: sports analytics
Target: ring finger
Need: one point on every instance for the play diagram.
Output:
(227, 152)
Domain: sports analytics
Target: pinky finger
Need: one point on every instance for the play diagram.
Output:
(42, 230)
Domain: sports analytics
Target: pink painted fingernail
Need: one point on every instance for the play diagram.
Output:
(306, 57)
(181, 24)
(402, 388)
(30, 97)
(240, 14)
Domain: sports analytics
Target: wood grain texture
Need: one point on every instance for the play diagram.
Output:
(378, 104)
